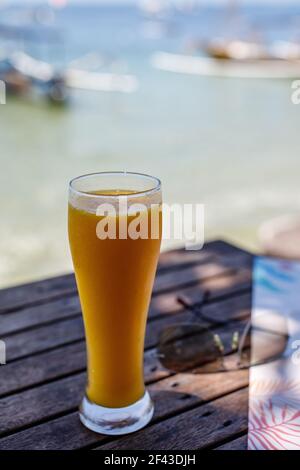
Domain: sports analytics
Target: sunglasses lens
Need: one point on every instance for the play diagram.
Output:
(189, 347)
(194, 348)
(265, 340)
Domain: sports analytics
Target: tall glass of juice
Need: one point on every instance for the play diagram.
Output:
(115, 234)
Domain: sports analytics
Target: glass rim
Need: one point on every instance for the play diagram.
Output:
(146, 192)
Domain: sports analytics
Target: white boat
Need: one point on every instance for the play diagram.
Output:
(220, 48)
(96, 81)
(23, 73)
(212, 67)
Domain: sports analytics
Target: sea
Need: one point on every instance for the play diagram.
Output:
(230, 144)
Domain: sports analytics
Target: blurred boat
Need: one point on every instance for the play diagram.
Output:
(24, 74)
(223, 57)
(219, 48)
(235, 68)
(93, 81)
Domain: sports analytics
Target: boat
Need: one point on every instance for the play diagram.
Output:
(220, 48)
(23, 74)
(104, 81)
(234, 57)
(275, 68)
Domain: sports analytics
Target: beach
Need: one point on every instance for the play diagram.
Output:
(231, 144)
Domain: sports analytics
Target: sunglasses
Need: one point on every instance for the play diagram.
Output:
(207, 345)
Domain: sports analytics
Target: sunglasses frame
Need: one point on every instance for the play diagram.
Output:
(239, 348)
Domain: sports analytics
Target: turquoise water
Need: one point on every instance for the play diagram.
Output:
(231, 144)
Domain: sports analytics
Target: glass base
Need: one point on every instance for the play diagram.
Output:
(116, 421)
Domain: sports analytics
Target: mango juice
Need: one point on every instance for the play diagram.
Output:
(115, 279)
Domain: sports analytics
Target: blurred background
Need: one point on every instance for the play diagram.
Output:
(114, 86)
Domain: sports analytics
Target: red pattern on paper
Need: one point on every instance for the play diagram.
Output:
(274, 415)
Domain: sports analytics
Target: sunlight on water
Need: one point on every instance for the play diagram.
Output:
(231, 144)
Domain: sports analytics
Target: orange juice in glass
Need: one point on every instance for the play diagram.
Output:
(115, 235)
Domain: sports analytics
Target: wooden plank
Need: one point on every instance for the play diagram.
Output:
(229, 309)
(224, 248)
(235, 308)
(43, 338)
(237, 444)
(64, 433)
(195, 429)
(70, 359)
(225, 258)
(218, 287)
(211, 250)
(172, 394)
(181, 391)
(40, 368)
(167, 280)
(14, 298)
(69, 306)
(66, 331)
(225, 285)
(51, 400)
(58, 363)
(181, 259)
(34, 405)
(38, 315)
(45, 402)
(184, 277)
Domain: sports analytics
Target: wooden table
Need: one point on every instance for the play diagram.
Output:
(44, 378)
